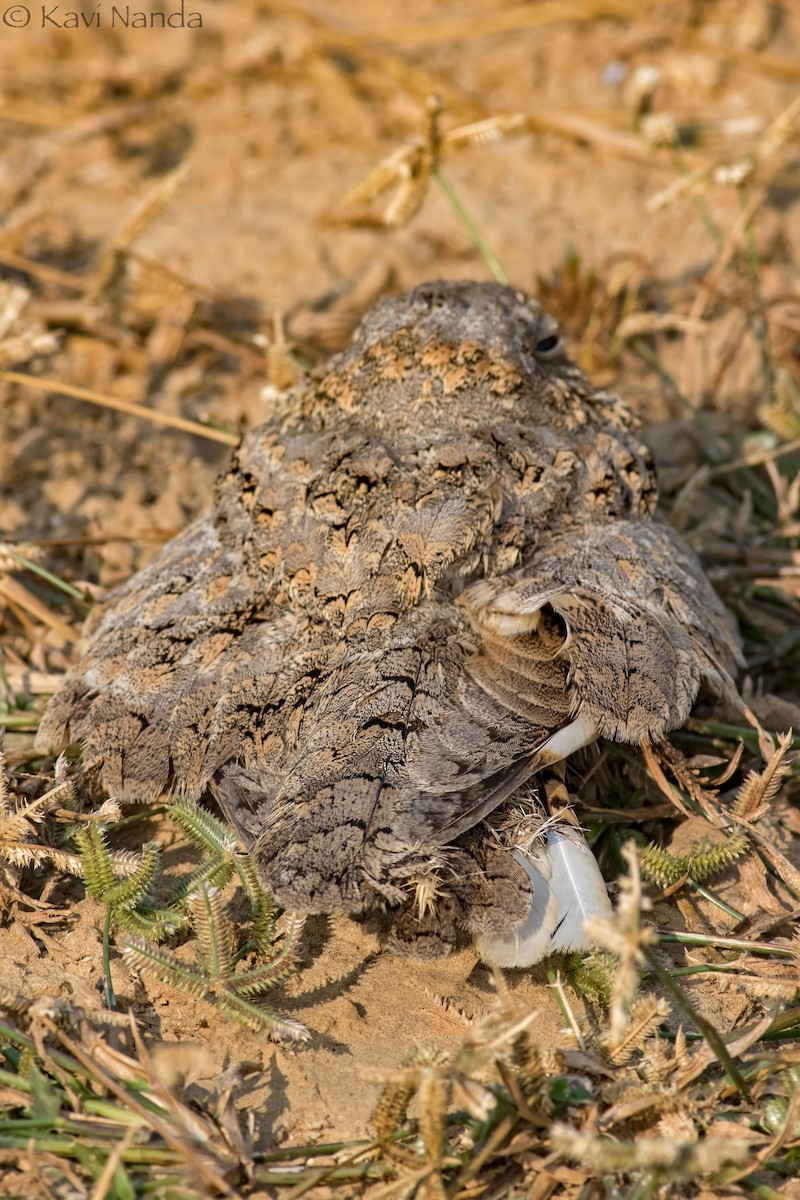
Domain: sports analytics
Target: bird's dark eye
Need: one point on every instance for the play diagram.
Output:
(547, 345)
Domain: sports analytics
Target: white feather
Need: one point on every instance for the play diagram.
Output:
(578, 885)
(579, 733)
(567, 889)
(530, 940)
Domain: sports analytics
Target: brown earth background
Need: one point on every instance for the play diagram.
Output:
(194, 294)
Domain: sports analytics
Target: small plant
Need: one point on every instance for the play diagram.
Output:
(128, 882)
(143, 901)
(591, 975)
(125, 884)
(195, 900)
(215, 975)
(666, 870)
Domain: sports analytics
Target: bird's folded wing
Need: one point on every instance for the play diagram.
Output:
(640, 627)
(610, 633)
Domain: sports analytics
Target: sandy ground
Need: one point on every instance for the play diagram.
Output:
(277, 110)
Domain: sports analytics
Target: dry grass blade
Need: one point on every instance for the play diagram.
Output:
(21, 599)
(671, 793)
(111, 262)
(125, 406)
(645, 1016)
(717, 1044)
(637, 324)
(677, 1161)
(407, 172)
(579, 128)
(628, 938)
(19, 262)
(105, 1109)
(758, 457)
(737, 1044)
(103, 1186)
(760, 789)
(782, 865)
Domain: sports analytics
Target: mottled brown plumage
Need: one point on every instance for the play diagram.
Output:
(439, 552)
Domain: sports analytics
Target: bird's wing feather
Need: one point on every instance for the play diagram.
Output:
(641, 629)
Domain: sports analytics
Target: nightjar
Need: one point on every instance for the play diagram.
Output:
(434, 572)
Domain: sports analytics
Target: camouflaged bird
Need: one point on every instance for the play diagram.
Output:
(434, 572)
